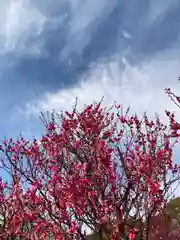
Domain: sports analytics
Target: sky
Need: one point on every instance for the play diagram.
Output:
(54, 51)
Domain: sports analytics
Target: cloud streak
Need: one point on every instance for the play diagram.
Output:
(18, 23)
(51, 53)
(141, 86)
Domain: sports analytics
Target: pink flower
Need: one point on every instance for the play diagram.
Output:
(131, 236)
(107, 134)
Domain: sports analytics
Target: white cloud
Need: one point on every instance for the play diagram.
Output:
(85, 13)
(157, 8)
(21, 19)
(140, 86)
(126, 34)
(86, 16)
(18, 21)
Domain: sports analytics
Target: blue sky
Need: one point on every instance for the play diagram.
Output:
(54, 51)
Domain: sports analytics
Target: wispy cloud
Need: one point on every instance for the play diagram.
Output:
(18, 22)
(51, 53)
(141, 86)
(85, 19)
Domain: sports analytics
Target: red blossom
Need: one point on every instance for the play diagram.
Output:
(98, 168)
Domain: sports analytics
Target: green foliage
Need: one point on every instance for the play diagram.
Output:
(173, 209)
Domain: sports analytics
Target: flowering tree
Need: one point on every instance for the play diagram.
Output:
(91, 169)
